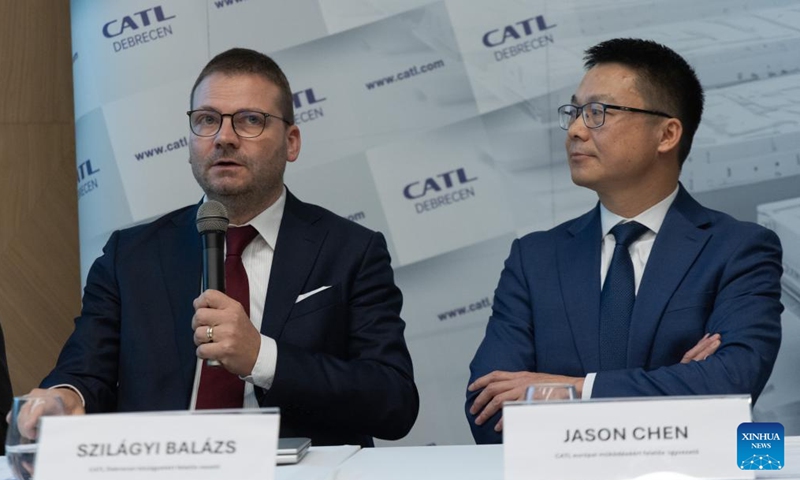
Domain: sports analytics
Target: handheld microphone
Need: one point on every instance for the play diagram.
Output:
(212, 223)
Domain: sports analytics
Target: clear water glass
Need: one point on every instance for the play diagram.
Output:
(23, 430)
(549, 392)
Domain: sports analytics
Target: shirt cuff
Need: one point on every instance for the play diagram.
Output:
(264, 369)
(588, 384)
(70, 387)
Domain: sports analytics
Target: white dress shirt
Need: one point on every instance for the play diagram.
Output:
(652, 218)
(257, 260)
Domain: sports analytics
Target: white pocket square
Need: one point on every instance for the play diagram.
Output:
(303, 296)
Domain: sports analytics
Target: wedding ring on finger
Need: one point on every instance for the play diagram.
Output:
(210, 334)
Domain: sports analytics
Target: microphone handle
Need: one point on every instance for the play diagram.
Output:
(214, 261)
(214, 268)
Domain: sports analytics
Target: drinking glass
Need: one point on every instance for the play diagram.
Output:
(23, 430)
(547, 392)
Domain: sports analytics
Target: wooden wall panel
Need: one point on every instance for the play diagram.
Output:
(39, 264)
(36, 59)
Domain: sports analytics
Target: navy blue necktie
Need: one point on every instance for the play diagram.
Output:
(617, 298)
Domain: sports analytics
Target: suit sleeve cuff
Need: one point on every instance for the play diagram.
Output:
(264, 369)
(588, 384)
(70, 387)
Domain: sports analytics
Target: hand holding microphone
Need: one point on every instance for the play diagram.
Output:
(212, 223)
(222, 325)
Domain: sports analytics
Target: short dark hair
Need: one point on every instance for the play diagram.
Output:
(245, 61)
(666, 81)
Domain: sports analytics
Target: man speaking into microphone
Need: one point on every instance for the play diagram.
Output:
(309, 321)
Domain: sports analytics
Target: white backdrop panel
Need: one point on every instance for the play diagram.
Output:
(154, 159)
(438, 192)
(408, 104)
(346, 14)
(365, 89)
(262, 25)
(131, 46)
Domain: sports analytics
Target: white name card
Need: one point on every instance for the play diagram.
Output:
(624, 438)
(168, 445)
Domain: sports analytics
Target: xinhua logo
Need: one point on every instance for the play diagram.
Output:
(760, 446)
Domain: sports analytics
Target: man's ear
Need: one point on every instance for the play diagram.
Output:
(671, 133)
(293, 142)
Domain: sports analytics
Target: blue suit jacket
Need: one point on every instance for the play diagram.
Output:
(343, 371)
(707, 273)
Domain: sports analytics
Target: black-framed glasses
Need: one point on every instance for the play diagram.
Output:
(594, 113)
(246, 124)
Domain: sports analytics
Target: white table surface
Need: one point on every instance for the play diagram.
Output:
(460, 462)
(470, 462)
(457, 462)
(319, 464)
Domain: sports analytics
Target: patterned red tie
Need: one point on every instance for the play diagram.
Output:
(218, 387)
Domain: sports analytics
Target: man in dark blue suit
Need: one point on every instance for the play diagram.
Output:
(323, 339)
(649, 293)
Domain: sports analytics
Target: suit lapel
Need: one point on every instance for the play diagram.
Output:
(677, 245)
(180, 252)
(296, 250)
(579, 272)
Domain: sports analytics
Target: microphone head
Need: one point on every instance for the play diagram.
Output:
(212, 216)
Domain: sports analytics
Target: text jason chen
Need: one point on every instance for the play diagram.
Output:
(617, 434)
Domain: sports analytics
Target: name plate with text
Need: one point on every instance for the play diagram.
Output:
(240, 444)
(624, 438)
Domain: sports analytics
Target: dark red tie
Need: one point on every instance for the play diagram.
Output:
(218, 387)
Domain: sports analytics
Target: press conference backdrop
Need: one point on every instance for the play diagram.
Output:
(434, 122)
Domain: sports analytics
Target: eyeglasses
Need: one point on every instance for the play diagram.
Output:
(594, 114)
(207, 123)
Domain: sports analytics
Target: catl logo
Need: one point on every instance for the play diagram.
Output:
(135, 21)
(525, 28)
(306, 98)
(442, 190)
(306, 103)
(437, 183)
(85, 170)
(86, 182)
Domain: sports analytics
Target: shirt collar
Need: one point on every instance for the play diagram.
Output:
(268, 222)
(651, 218)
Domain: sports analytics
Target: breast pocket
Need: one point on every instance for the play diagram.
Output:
(686, 315)
(318, 301)
(318, 323)
(691, 300)
(683, 324)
